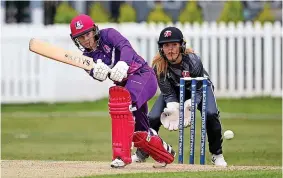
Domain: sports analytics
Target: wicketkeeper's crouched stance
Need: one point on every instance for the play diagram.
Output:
(173, 62)
(135, 85)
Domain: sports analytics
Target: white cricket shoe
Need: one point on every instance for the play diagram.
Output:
(118, 163)
(139, 156)
(218, 160)
(159, 165)
(137, 159)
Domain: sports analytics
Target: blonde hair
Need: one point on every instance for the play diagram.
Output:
(161, 65)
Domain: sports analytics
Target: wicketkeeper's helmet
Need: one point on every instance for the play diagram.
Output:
(171, 34)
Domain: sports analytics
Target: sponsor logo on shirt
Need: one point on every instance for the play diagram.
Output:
(107, 49)
(185, 73)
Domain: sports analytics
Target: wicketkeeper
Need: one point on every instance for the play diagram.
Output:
(172, 63)
(135, 85)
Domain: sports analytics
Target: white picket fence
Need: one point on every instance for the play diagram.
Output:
(243, 60)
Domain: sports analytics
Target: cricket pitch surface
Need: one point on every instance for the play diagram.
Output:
(34, 168)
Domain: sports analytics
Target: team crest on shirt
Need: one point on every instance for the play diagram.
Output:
(167, 33)
(79, 25)
(185, 73)
(107, 48)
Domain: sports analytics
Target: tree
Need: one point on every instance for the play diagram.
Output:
(127, 13)
(65, 13)
(232, 12)
(191, 13)
(265, 15)
(158, 15)
(98, 13)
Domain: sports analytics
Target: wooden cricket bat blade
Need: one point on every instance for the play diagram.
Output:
(59, 54)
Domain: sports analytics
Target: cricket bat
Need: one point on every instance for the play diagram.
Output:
(61, 55)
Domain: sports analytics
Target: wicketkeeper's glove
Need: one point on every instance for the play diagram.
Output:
(187, 113)
(170, 117)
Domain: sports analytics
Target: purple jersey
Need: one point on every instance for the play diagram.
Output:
(141, 81)
(114, 47)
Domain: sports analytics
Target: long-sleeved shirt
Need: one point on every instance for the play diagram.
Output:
(113, 47)
(169, 83)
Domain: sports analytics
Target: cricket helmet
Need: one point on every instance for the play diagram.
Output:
(171, 34)
(81, 25)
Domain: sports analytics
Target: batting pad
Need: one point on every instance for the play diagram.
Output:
(154, 146)
(122, 123)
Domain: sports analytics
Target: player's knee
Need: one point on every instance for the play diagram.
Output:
(213, 122)
(212, 114)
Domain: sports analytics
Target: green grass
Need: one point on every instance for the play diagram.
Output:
(218, 174)
(256, 142)
(247, 105)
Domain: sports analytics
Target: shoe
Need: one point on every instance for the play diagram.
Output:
(159, 165)
(218, 160)
(169, 148)
(118, 163)
(140, 156)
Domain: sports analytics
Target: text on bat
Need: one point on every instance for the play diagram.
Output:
(78, 59)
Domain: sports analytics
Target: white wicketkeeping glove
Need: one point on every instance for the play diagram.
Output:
(170, 117)
(100, 70)
(187, 113)
(119, 71)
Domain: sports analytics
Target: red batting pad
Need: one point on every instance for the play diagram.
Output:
(123, 123)
(153, 145)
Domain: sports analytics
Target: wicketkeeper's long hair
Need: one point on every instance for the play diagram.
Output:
(160, 65)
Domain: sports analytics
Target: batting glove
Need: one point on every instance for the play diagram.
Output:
(100, 70)
(119, 71)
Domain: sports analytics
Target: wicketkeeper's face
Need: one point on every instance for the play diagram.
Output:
(171, 50)
(87, 40)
